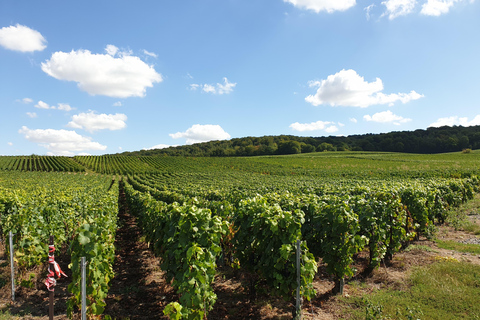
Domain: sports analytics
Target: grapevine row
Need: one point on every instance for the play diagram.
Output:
(333, 224)
(81, 215)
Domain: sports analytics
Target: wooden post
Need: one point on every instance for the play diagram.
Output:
(51, 292)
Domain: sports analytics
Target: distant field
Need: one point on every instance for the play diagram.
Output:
(324, 164)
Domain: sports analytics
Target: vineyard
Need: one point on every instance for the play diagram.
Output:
(248, 215)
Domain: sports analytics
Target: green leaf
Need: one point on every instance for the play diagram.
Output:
(82, 239)
(173, 310)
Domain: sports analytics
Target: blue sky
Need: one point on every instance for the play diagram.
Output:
(97, 77)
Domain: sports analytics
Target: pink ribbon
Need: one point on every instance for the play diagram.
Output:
(50, 282)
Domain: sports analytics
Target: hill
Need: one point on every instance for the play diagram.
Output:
(431, 140)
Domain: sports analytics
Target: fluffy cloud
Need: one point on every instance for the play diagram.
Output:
(25, 100)
(159, 146)
(202, 133)
(315, 126)
(10, 143)
(396, 8)
(21, 38)
(438, 7)
(61, 106)
(64, 107)
(347, 88)
(323, 5)
(456, 121)
(386, 117)
(114, 74)
(150, 54)
(43, 105)
(368, 9)
(225, 88)
(93, 122)
(60, 142)
(111, 50)
(32, 114)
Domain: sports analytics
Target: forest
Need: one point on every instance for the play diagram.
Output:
(429, 141)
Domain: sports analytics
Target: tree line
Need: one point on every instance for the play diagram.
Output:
(431, 140)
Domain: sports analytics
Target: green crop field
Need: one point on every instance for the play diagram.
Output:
(243, 212)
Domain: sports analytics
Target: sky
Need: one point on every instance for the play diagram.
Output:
(104, 77)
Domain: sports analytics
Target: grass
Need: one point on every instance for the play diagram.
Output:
(6, 315)
(443, 290)
(472, 228)
(457, 246)
(459, 217)
(419, 247)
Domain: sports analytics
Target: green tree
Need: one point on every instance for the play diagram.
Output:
(289, 147)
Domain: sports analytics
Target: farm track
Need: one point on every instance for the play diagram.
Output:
(138, 290)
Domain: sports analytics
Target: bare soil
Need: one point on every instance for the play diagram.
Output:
(140, 291)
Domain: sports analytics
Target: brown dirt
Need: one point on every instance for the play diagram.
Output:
(140, 291)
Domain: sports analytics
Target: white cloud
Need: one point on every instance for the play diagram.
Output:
(60, 142)
(353, 120)
(456, 121)
(314, 126)
(368, 9)
(93, 122)
(219, 88)
(103, 74)
(347, 88)
(331, 129)
(26, 100)
(21, 38)
(225, 88)
(208, 88)
(202, 133)
(43, 105)
(323, 5)
(60, 106)
(64, 107)
(159, 146)
(117, 104)
(396, 8)
(150, 54)
(437, 7)
(194, 86)
(10, 143)
(32, 114)
(111, 50)
(386, 117)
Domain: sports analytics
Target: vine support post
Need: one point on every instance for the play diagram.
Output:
(12, 266)
(342, 284)
(83, 265)
(298, 307)
(51, 292)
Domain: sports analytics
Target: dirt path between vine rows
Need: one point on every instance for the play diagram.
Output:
(139, 289)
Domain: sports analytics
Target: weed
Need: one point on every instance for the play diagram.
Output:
(374, 311)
